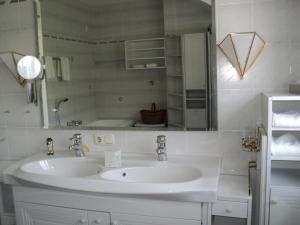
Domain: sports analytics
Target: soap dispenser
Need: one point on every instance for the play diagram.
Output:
(50, 148)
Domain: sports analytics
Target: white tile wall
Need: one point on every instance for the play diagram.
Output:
(81, 104)
(109, 16)
(278, 21)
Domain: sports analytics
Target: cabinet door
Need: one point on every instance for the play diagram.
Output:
(99, 218)
(196, 118)
(34, 214)
(285, 207)
(124, 219)
(194, 60)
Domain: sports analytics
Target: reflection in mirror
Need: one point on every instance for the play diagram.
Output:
(130, 64)
(29, 67)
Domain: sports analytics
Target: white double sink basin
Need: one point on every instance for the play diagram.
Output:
(194, 179)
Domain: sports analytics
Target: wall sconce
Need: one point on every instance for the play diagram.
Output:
(242, 50)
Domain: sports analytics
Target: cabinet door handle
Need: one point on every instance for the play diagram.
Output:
(228, 211)
(273, 202)
(98, 221)
(83, 220)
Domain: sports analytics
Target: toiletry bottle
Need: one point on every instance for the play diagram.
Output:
(50, 149)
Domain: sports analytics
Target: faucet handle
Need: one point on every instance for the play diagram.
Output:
(49, 141)
(161, 139)
(76, 137)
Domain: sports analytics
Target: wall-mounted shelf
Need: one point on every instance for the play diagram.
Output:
(145, 54)
(100, 61)
(296, 129)
(146, 49)
(175, 94)
(283, 97)
(147, 68)
(149, 58)
(285, 158)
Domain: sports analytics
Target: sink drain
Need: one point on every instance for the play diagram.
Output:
(124, 174)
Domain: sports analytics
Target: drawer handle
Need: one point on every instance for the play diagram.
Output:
(273, 202)
(83, 220)
(228, 211)
(98, 221)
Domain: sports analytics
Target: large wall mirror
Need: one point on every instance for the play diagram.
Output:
(129, 64)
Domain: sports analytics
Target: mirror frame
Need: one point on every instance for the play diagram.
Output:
(43, 87)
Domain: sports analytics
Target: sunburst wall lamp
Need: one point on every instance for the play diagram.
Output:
(242, 50)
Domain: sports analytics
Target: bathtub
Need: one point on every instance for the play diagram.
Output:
(111, 123)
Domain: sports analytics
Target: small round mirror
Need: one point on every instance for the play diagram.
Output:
(29, 67)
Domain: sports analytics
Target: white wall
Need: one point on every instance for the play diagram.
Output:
(62, 19)
(239, 101)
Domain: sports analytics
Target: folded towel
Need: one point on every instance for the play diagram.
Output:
(287, 145)
(286, 119)
(50, 71)
(65, 68)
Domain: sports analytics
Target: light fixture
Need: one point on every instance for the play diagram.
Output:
(242, 50)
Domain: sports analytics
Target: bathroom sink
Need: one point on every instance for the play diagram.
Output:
(63, 167)
(153, 174)
(181, 178)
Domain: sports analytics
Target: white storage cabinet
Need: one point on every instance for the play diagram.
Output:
(280, 200)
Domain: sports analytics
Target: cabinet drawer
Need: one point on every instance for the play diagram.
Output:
(230, 209)
(125, 219)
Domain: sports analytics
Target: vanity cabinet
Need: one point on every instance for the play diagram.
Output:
(28, 214)
(52, 207)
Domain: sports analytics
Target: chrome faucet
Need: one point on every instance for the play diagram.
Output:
(77, 146)
(56, 110)
(161, 148)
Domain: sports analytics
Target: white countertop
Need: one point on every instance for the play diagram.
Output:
(233, 188)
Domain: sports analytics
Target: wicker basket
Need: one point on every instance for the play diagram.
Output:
(153, 116)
